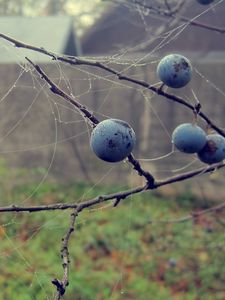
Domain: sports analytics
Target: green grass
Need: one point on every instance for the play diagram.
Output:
(116, 253)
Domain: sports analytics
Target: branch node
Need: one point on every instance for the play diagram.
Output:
(59, 286)
(101, 199)
(160, 89)
(117, 201)
(197, 108)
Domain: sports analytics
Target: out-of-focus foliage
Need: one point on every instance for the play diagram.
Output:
(116, 253)
(84, 12)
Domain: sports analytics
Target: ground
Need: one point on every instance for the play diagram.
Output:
(126, 252)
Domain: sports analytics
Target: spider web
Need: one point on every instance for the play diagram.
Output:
(36, 130)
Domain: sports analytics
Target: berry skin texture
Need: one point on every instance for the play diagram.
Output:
(174, 70)
(214, 150)
(189, 138)
(112, 140)
(205, 2)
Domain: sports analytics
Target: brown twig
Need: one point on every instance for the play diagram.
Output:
(62, 285)
(173, 98)
(151, 184)
(56, 90)
(85, 111)
(190, 174)
(78, 206)
(78, 61)
(114, 196)
(137, 167)
(173, 13)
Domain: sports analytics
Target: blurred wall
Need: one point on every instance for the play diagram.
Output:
(31, 138)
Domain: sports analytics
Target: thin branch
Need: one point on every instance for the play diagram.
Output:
(174, 14)
(78, 61)
(190, 174)
(31, 209)
(114, 196)
(173, 98)
(84, 110)
(56, 90)
(141, 172)
(78, 206)
(62, 285)
(151, 184)
(201, 25)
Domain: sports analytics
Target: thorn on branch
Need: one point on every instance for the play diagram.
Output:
(197, 108)
(117, 201)
(161, 87)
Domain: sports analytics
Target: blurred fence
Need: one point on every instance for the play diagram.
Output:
(31, 138)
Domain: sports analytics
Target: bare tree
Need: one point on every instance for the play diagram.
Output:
(167, 10)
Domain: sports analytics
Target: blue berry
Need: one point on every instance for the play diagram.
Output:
(189, 138)
(205, 2)
(214, 149)
(174, 70)
(112, 140)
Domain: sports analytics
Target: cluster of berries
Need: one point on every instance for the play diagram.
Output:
(112, 140)
(190, 138)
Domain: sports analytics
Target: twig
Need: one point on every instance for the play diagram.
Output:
(78, 61)
(151, 184)
(77, 206)
(173, 98)
(62, 285)
(141, 171)
(169, 13)
(114, 196)
(84, 110)
(56, 90)
(190, 174)
(31, 209)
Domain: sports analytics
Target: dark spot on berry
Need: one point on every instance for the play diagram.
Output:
(184, 63)
(211, 147)
(112, 144)
(176, 67)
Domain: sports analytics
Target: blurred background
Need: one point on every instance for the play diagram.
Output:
(132, 252)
